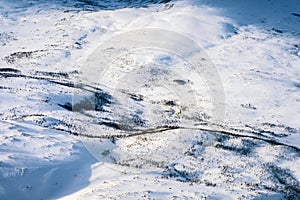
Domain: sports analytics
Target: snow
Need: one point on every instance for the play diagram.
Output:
(254, 154)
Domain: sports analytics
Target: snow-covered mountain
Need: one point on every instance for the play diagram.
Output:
(149, 133)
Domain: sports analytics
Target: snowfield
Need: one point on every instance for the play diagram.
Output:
(155, 145)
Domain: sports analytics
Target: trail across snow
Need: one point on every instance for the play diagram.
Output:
(255, 47)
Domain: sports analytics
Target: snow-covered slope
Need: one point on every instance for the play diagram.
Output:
(252, 154)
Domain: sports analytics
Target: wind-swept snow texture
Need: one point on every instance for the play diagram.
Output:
(254, 153)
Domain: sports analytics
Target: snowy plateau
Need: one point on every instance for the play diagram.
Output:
(154, 139)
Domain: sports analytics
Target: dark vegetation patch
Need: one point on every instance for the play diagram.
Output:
(285, 182)
(249, 106)
(296, 14)
(53, 74)
(12, 58)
